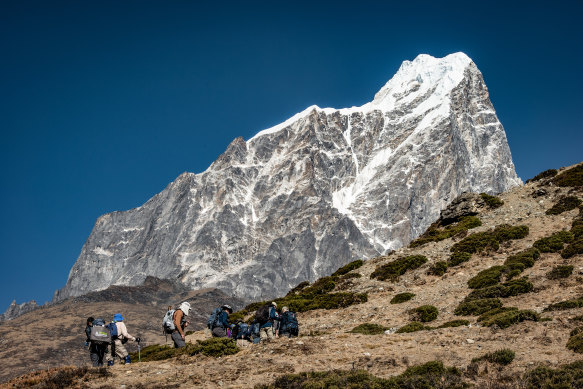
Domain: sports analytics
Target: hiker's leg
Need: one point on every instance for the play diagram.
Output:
(120, 349)
(94, 358)
(178, 342)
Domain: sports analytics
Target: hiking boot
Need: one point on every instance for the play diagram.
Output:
(109, 363)
(128, 359)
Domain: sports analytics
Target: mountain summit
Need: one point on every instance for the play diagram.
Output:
(300, 199)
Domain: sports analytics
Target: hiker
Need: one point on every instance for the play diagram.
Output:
(266, 330)
(180, 323)
(121, 338)
(288, 323)
(98, 350)
(221, 324)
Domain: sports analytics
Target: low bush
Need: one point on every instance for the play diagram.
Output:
(431, 375)
(414, 326)
(486, 315)
(454, 323)
(564, 305)
(348, 268)
(490, 240)
(561, 271)
(425, 313)
(435, 233)
(156, 352)
(503, 357)
(298, 288)
(458, 258)
(563, 205)
(571, 177)
(487, 277)
(566, 376)
(511, 317)
(402, 297)
(477, 307)
(369, 329)
(392, 270)
(553, 243)
(492, 201)
(575, 343)
(576, 247)
(546, 174)
(527, 258)
(214, 347)
(438, 269)
(507, 289)
(576, 331)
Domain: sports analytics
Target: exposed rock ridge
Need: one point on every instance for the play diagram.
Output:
(325, 187)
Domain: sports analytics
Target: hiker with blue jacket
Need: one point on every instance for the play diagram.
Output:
(221, 324)
(288, 323)
(266, 332)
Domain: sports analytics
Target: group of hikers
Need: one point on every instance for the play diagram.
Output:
(106, 341)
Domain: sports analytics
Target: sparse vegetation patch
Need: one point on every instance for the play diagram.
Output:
(563, 205)
(575, 343)
(503, 357)
(561, 271)
(402, 297)
(438, 269)
(507, 289)
(571, 177)
(458, 258)
(369, 329)
(511, 317)
(566, 376)
(567, 304)
(489, 240)
(553, 243)
(414, 326)
(392, 270)
(348, 268)
(477, 307)
(435, 233)
(454, 323)
(425, 313)
(576, 247)
(546, 174)
(492, 201)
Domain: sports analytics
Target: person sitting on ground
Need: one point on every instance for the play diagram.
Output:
(221, 325)
(122, 338)
(266, 330)
(180, 323)
(288, 323)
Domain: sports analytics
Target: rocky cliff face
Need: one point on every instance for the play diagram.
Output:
(327, 186)
(15, 310)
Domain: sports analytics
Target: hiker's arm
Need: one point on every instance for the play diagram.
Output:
(177, 320)
(124, 331)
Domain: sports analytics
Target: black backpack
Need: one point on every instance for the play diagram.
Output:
(289, 323)
(262, 314)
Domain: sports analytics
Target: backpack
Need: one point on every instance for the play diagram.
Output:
(100, 334)
(262, 314)
(289, 323)
(243, 331)
(168, 322)
(112, 330)
(213, 318)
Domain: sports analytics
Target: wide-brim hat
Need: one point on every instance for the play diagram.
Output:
(117, 317)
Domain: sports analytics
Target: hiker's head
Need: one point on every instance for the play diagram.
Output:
(117, 317)
(274, 304)
(185, 307)
(228, 308)
(284, 309)
(90, 320)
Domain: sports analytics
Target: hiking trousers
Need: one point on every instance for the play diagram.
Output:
(120, 349)
(177, 338)
(266, 333)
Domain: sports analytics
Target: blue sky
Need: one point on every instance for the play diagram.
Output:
(103, 103)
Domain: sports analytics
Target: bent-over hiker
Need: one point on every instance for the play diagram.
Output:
(221, 324)
(288, 323)
(122, 338)
(180, 323)
(266, 330)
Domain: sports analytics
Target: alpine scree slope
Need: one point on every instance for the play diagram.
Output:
(323, 188)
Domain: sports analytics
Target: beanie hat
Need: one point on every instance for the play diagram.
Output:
(117, 317)
(185, 307)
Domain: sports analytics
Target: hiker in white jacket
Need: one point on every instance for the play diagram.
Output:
(122, 337)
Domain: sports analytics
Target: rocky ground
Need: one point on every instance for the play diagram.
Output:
(326, 343)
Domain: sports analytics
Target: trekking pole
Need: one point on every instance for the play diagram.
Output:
(139, 351)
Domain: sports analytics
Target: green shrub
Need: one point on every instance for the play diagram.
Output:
(457, 258)
(562, 271)
(425, 313)
(322, 286)
(414, 326)
(435, 234)
(503, 357)
(563, 205)
(214, 347)
(553, 243)
(487, 315)
(511, 317)
(431, 375)
(348, 268)
(351, 275)
(477, 307)
(369, 329)
(567, 304)
(489, 240)
(564, 377)
(486, 277)
(546, 174)
(455, 323)
(298, 288)
(527, 258)
(576, 331)
(575, 343)
(438, 269)
(571, 177)
(392, 270)
(402, 297)
(507, 289)
(492, 201)
(576, 247)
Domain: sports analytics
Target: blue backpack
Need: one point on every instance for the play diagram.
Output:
(112, 330)
(289, 323)
(213, 318)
